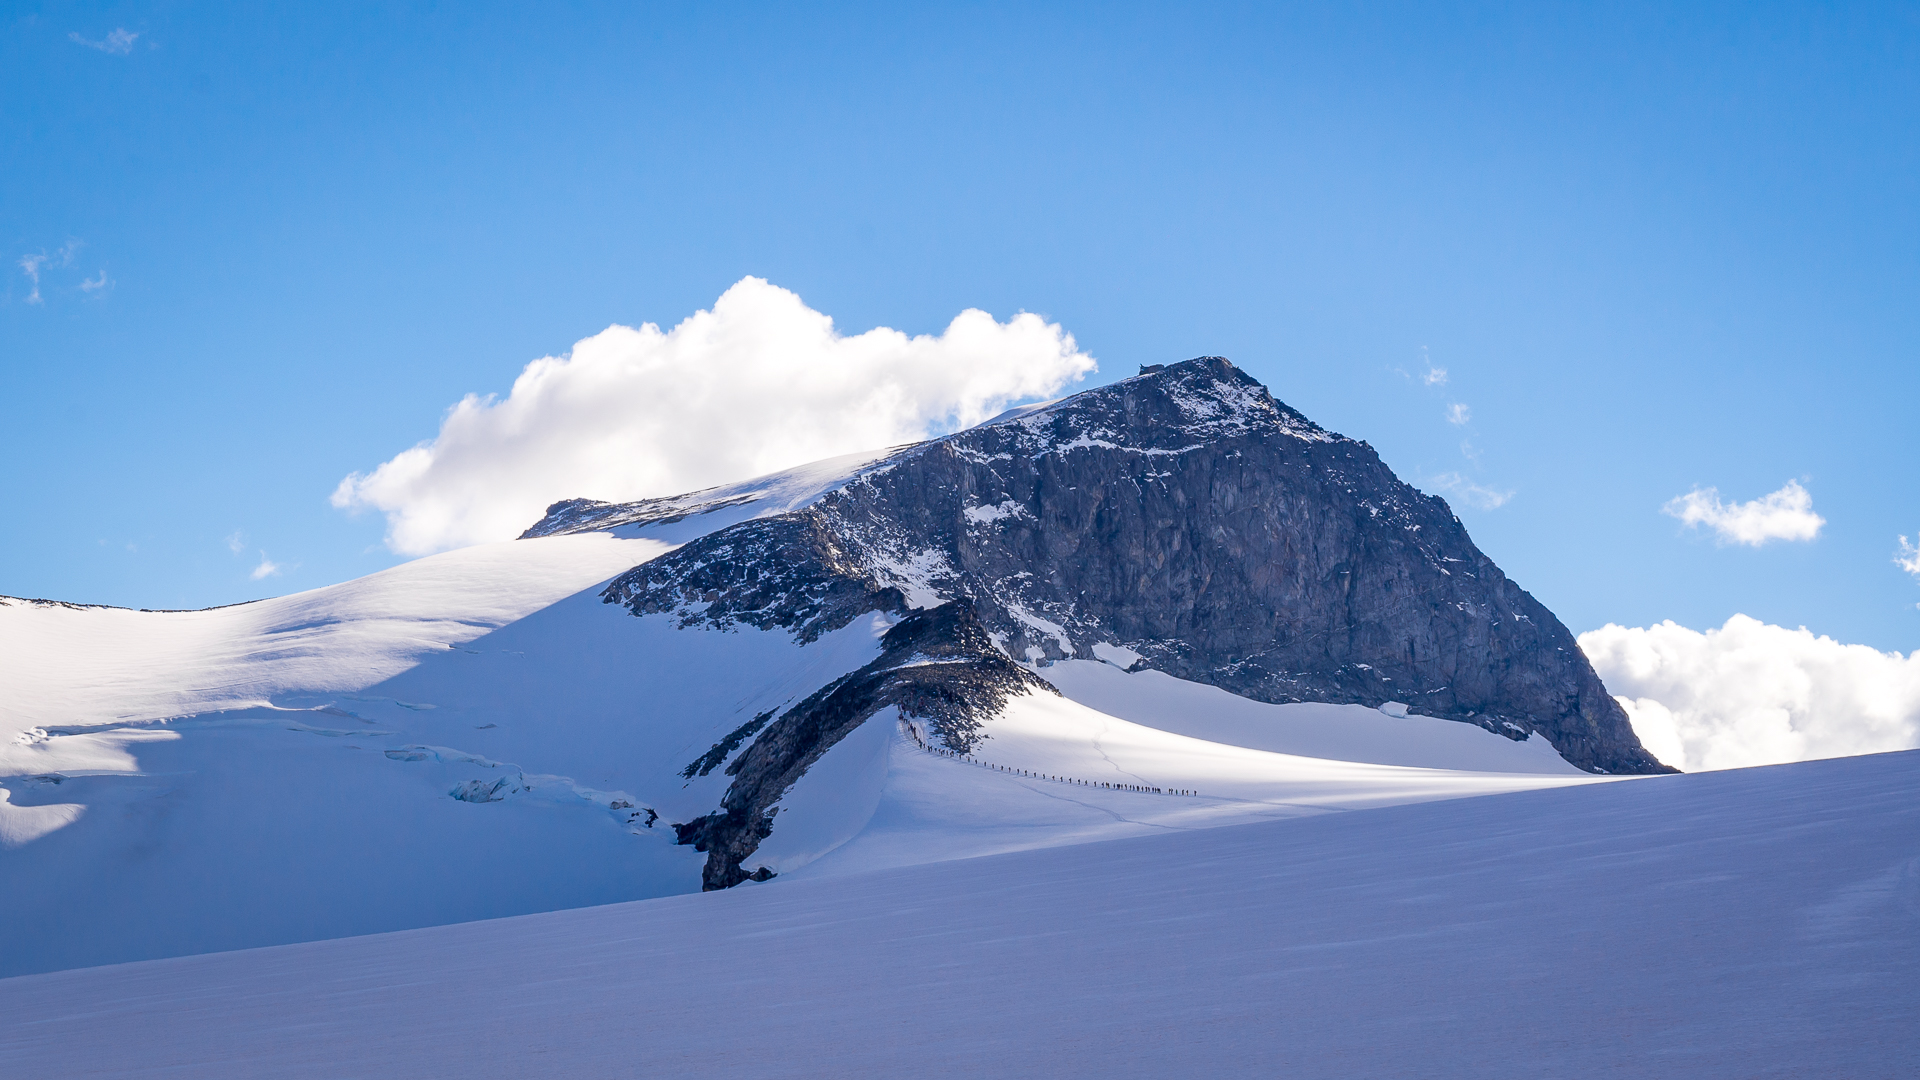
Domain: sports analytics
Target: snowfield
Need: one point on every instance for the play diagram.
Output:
(476, 734)
(1752, 923)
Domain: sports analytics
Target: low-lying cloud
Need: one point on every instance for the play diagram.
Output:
(1786, 514)
(760, 383)
(1751, 693)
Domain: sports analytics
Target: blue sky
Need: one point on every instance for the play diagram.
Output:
(1652, 248)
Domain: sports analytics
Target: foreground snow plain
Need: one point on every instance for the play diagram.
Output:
(1752, 923)
(475, 735)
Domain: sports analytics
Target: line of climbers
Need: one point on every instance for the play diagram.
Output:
(913, 732)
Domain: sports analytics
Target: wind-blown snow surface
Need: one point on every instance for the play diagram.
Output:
(1751, 923)
(476, 735)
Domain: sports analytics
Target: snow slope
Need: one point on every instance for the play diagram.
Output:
(71, 665)
(1036, 784)
(1751, 923)
(1339, 732)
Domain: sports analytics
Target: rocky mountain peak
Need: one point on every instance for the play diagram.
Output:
(1183, 517)
(1167, 407)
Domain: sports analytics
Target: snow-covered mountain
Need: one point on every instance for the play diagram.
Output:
(1167, 604)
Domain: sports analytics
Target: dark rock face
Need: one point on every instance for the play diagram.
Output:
(586, 515)
(1227, 539)
(791, 571)
(938, 665)
(1183, 514)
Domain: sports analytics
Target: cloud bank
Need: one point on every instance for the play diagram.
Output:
(760, 383)
(1786, 514)
(1751, 693)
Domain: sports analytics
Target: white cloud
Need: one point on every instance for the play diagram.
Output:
(760, 383)
(1786, 514)
(1436, 376)
(1908, 557)
(95, 284)
(119, 42)
(30, 265)
(34, 266)
(1466, 491)
(237, 542)
(266, 569)
(1458, 414)
(1751, 693)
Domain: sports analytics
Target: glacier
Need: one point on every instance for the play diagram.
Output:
(1745, 924)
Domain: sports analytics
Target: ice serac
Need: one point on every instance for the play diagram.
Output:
(1183, 515)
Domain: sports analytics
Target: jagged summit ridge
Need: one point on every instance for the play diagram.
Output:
(1191, 403)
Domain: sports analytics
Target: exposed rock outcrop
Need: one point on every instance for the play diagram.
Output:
(938, 665)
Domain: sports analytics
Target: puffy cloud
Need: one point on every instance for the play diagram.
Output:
(266, 569)
(760, 383)
(1436, 376)
(1468, 492)
(1908, 557)
(1458, 413)
(1751, 693)
(1786, 514)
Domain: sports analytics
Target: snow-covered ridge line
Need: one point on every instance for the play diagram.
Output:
(6, 601)
(709, 509)
(73, 665)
